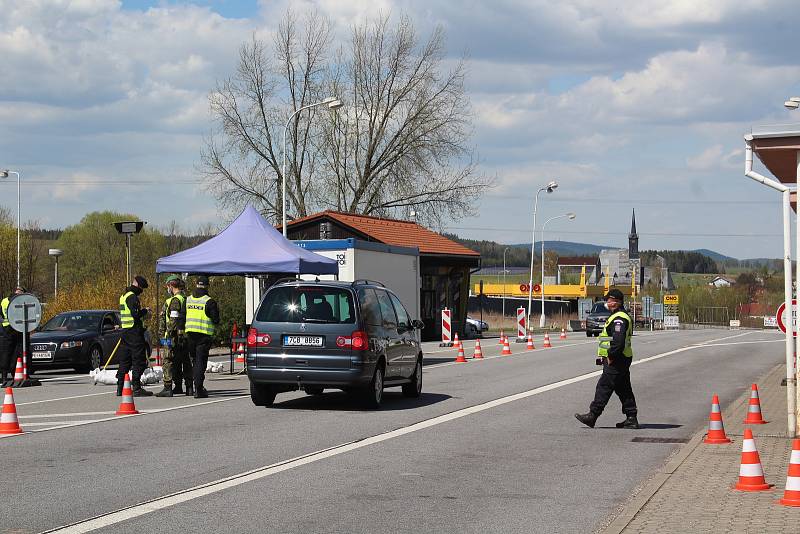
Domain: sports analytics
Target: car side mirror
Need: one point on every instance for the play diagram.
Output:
(416, 323)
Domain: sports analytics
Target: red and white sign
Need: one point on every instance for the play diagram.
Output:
(525, 288)
(447, 334)
(521, 330)
(781, 313)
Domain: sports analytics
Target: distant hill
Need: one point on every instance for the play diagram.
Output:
(716, 256)
(567, 248)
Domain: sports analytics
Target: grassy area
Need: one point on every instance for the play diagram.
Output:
(691, 279)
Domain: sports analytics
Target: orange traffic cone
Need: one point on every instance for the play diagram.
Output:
(502, 337)
(791, 495)
(478, 355)
(530, 346)
(754, 409)
(127, 407)
(19, 376)
(457, 342)
(8, 417)
(547, 344)
(563, 334)
(506, 348)
(716, 430)
(460, 358)
(751, 475)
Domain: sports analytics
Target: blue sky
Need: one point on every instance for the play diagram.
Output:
(643, 105)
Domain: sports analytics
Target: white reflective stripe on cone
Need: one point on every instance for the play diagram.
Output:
(754, 394)
(793, 483)
(795, 458)
(715, 408)
(754, 408)
(10, 417)
(715, 425)
(750, 470)
(749, 445)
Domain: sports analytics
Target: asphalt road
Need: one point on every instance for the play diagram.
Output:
(491, 446)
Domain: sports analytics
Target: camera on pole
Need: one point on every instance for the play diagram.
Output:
(129, 228)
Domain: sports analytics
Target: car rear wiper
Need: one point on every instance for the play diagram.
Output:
(323, 321)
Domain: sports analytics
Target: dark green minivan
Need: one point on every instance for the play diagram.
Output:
(354, 336)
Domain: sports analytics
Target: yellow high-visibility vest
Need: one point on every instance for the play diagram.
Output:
(4, 305)
(125, 312)
(196, 318)
(605, 339)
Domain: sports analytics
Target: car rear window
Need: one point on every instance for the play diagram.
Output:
(307, 304)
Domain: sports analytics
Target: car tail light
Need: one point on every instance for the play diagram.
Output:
(256, 339)
(357, 341)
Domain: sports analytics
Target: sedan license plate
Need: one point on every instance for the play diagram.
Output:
(302, 341)
(48, 355)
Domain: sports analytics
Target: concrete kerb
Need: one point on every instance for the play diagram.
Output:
(643, 495)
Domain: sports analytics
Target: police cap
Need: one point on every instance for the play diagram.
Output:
(202, 281)
(615, 294)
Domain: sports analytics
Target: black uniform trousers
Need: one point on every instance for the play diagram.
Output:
(8, 349)
(181, 361)
(616, 378)
(132, 355)
(199, 345)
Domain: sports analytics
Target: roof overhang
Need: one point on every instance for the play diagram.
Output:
(777, 147)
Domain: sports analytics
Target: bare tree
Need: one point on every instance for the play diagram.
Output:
(399, 144)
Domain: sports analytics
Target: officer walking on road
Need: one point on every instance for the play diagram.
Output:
(176, 364)
(9, 341)
(202, 315)
(615, 352)
(133, 351)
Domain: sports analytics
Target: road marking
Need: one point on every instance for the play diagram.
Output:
(209, 488)
(77, 414)
(71, 377)
(47, 423)
(64, 398)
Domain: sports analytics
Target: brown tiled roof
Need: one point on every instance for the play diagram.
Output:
(393, 232)
(577, 260)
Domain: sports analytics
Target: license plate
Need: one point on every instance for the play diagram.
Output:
(302, 341)
(42, 355)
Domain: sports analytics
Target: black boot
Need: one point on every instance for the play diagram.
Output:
(630, 422)
(120, 385)
(189, 389)
(587, 419)
(200, 392)
(166, 392)
(138, 390)
(178, 389)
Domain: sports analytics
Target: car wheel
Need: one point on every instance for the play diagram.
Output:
(373, 394)
(95, 357)
(261, 394)
(588, 334)
(414, 388)
(313, 390)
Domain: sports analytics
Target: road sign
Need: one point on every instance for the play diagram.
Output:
(647, 306)
(781, 316)
(671, 299)
(770, 322)
(658, 312)
(24, 312)
(671, 321)
(735, 323)
(521, 329)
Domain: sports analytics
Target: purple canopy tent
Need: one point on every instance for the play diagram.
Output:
(248, 246)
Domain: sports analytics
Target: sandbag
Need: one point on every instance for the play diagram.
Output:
(215, 367)
(108, 377)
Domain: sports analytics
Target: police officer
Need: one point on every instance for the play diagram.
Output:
(10, 342)
(202, 316)
(615, 352)
(133, 351)
(176, 363)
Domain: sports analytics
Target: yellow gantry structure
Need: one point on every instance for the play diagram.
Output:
(565, 291)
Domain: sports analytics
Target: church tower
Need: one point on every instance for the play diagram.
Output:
(633, 239)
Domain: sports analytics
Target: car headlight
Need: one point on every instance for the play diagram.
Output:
(71, 344)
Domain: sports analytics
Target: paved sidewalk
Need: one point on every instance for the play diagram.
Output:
(694, 491)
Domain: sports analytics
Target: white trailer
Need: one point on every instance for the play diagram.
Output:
(395, 267)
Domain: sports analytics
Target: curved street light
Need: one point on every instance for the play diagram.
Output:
(333, 104)
(571, 217)
(550, 187)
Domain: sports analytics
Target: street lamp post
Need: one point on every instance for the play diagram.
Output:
(570, 216)
(55, 252)
(333, 103)
(549, 188)
(4, 174)
(504, 286)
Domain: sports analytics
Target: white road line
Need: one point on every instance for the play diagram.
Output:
(65, 398)
(209, 488)
(71, 377)
(71, 424)
(47, 423)
(77, 414)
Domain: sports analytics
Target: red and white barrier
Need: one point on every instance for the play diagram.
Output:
(447, 330)
(522, 330)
